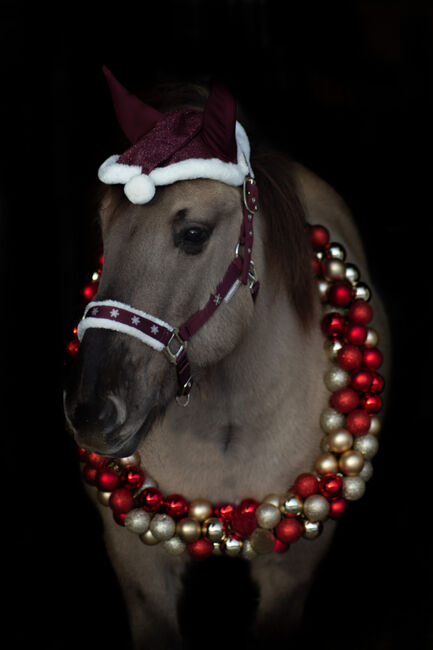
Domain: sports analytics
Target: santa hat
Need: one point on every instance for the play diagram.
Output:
(175, 146)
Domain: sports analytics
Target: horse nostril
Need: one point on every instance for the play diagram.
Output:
(102, 417)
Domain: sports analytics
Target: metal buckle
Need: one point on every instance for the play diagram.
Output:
(250, 181)
(252, 276)
(173, 356)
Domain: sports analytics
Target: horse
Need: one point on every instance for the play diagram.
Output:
(253, 420)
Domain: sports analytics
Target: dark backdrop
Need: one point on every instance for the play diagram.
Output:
(346, 88)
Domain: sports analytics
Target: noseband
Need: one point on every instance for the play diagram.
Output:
(173, 341)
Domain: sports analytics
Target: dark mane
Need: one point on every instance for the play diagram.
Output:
(287, 247)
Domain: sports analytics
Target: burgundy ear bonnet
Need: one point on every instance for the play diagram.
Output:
(175, 146)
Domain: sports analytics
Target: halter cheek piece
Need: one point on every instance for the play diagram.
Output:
(114, 315)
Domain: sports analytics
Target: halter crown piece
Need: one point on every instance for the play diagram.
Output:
(189, 144)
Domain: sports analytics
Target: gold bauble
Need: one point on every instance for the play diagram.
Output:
(262, 541)
(134, 459)
(372, 338)
(213, 529)
(351, 462)
(375, 425)
(326, 464)
(103, 497)
(149, 539)
(291, 504)
(334, 269)
(267, 515)
(188, 530)
(232, 546)
(340, 440)
(200, 509)
(330, 419)
(336, 378)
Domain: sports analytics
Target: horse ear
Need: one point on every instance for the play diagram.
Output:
(134, 116)
(219, 123)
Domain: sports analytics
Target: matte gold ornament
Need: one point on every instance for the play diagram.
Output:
(351, 462)
(162, 526)
(103, 498)
(334, 269)
(375, 425)
(368, 445)
(134, 459)
(188, 530)
(174, 545)
(262, 541)
(326, 464)
(248, 553)
(137, 521)
(213, 529)
(316, 508)
(336, 378)
(372, 338)
(291, 504)
(340, 440)
(353, 488)
(272, 498)
(200, 509)
(149, 539)
(267, 515)
(322, 287)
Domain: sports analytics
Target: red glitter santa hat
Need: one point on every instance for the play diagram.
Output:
(178, 145)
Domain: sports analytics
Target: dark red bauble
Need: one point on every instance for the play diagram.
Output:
(133, 477)
(361, 380)
(95, 460)
(371, 403)
(344, 400)
(305, 485)
(89, 474)
(82, 454)
(119, 517)
(316, 266)
(90, 290)
(358, 422)
(176, 506)
(377, 383)
(151, 499)
(337, 508)
(72, 347)
(356, 334)
(289, 530)
(340, 294)
(243, 520)
(349, 357)
(372, 358)
(360, 312)
(224, 511)
(319, 237)
(280, 547)
(107, 479)
(200, 549)
(334, 324)
(331, 486)
(121, 501)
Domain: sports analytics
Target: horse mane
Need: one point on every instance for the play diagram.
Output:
(287, 248)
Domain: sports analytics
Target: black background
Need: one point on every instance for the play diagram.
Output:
(344, 87)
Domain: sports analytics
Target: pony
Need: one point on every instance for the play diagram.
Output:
(254, 418)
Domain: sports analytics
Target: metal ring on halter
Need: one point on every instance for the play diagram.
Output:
(174, 356)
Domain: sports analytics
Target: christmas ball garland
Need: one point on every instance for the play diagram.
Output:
(338, 476)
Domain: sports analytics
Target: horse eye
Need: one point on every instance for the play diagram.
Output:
(192, 239)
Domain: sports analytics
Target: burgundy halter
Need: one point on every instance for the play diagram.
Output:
(110, 314)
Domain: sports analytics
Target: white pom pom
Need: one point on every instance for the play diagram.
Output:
(140, 189)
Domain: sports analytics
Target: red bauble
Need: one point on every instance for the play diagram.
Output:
(331, 486)
(361, 380)
(107, 479)
(151, 499)
(316, 266)
(200, 549)
(371, 403)
(334, 324)
(337, 508)
(319, 237)
(377, 383)
(305, 485)
(95, 460)
(83, 454)
(176, 506)
(356, 334)
(358, 422)
(360, 312)
(372, 358)
(344, 400)
(244, 521)
(340, 294)
(89, 474)
(121, 501)
(72, 347)
(349, 357)
(280, 547)
(119, 517)
(133, 477)
(90, 290)
(289, 530)
(224, 511)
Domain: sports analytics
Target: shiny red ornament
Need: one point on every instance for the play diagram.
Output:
(89, 474)
(119, 517)
(358, 422)
(344, 400)
(319, 237)
(107, 479)
(372, 358)
(356, 334)
(133, 477)
(82, 454)
(200, 549)
(95, 460)
(90, 290)
(360, 312)
(121, 501)
(305, 485)
(243, 520)
(334, 324)
(72, 347)
(371, 403)
(331, 486)
(224, 511)
(176, 506)
(151, 499)
(337, 508)
(280, 547)
(377, 383)
(349, 357)
(289, 530)
(361, 380)
(340, 294)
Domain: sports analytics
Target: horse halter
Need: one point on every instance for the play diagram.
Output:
(173, 341)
